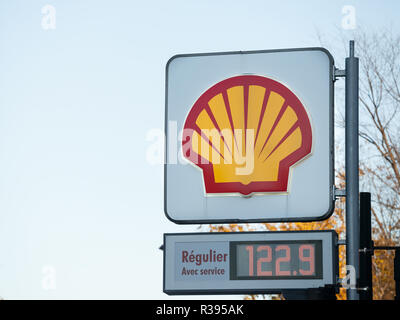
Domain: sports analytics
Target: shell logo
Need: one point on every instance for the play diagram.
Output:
(245, 133)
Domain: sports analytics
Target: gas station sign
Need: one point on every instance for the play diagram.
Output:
(209, 263)
(249, 136)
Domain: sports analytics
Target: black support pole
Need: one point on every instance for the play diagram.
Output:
(366, 247)
(397, 272)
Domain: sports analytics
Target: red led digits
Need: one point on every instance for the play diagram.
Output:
(299, 258)
(251, 257)
(310, 259)
(286, 258)
(261, 260)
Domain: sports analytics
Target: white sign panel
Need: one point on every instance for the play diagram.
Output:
(249, 262)
(249, 136)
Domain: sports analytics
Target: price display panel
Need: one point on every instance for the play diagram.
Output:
(249, 262)
(276, 260)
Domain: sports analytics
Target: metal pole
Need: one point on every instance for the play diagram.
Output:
(352, 182)
(397, 273)
(366, 246)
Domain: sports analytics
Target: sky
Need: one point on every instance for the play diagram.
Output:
(81, 207)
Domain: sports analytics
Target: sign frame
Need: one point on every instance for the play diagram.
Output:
(323, 215)
(329, 238)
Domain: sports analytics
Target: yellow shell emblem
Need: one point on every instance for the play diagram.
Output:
(245, 133)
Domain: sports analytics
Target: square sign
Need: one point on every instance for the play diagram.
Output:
(249, 262)
(249, 136)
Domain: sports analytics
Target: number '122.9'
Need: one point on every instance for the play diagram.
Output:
(285, 257)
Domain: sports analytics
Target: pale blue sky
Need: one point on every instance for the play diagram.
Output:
(76, 191)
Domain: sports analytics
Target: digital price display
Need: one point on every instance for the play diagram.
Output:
(249, 262)
(276, 260)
